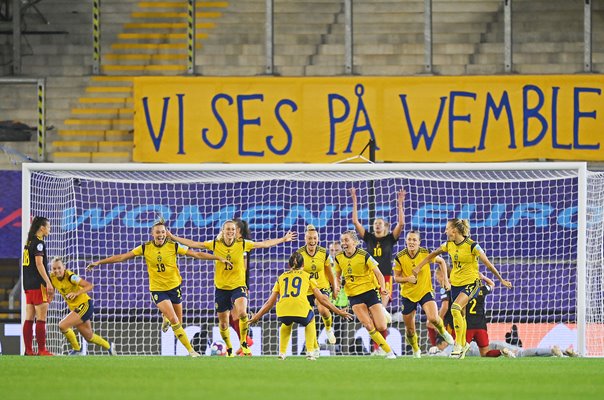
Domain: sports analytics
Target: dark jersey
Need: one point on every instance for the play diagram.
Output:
(381, 249)
(475, 314)
(445, 295)
(31, 277)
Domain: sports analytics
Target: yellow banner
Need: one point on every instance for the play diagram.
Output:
(330, 119)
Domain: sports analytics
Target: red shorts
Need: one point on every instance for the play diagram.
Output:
(480, 336)
(36, 296)
(388, 284)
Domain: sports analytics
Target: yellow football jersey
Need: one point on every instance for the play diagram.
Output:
(161, 264)
(292, 286)
(357, 271)
(69, 284)
(405, 263)
(229, 277)
(465, 261)
(315, 265)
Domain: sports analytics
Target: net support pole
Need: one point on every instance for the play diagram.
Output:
(582, 260)
(428, 36)
(348, 38)
(16, 37)
(269, 27)
(191, 37)
(96, 37)
(25, 221)
(507, 35)
(587, 36)
(41, 126)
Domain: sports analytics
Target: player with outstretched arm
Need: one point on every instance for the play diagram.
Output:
(164, 276)
(465, 280)
(229, 278)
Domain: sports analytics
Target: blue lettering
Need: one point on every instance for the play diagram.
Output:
(453, 118)
(301, 211)
(288, 132)
(496, 213)
(145, 216)
(192, 214)
(423, 130)
(70, 221)
(432, 216)
(204, 131)
(181, 124)
(529, 113)
(555, 143)
(241, 99)
(538, 212)
(359, 91)
(261, 217)
(333, 120)
(497, 110)
(156, 139)
(568, 218)
(579, 114)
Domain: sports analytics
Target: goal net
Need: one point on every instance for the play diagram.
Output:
(540, 224)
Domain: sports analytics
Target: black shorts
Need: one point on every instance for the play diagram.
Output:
(409, 306)
(370, 298)
(299, 320)
(226, 298)
(311, 297)
(85, 310)
(173, 295)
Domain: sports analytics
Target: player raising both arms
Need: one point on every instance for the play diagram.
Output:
(418, 290)
(465, 281)
(229, 278)
(317, 264)
(75, 292)
(360, 271)
(380, 244)
(293, 306)
(164, 277)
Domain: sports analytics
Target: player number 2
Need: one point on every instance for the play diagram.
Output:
(472, 306)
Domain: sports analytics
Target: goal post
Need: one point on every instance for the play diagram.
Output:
(540, 224)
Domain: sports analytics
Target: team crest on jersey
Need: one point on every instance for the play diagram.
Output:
(349, 271)
(40, 247)
(314, 267)
(159, 258)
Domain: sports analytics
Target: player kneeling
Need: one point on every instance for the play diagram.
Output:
(289, 293)
(74, 290)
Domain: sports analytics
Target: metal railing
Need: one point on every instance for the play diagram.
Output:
(269, 43)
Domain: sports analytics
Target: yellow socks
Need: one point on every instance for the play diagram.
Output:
(379, 339)
(328, 322)
(440, 327)
(310, 333)
(73, 340)
(96, 339)
(243, 330)
(226, 336)
(179, 332)
(285, 332)
(459, 322)
(413, 342)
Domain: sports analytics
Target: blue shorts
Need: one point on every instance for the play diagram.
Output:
(85, 310)
(226, 298)
(312, 299)
(173, 295)
(471, 290)
(299, 320)
(409, 306)
(370, 298)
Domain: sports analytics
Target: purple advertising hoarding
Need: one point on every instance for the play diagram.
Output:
(10, 214)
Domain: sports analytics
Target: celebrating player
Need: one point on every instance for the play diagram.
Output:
(380, 245)
(360, 271)
(231, 289)
(75, 292)
(164, 276)
(316, 263)
(37, 286)
(465, 281)
(293, 306)
(418, 290)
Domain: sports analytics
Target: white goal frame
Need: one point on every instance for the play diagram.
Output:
(579, 167)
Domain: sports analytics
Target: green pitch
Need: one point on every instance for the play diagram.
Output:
(349, 378)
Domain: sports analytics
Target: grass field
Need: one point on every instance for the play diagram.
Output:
(350, 378)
